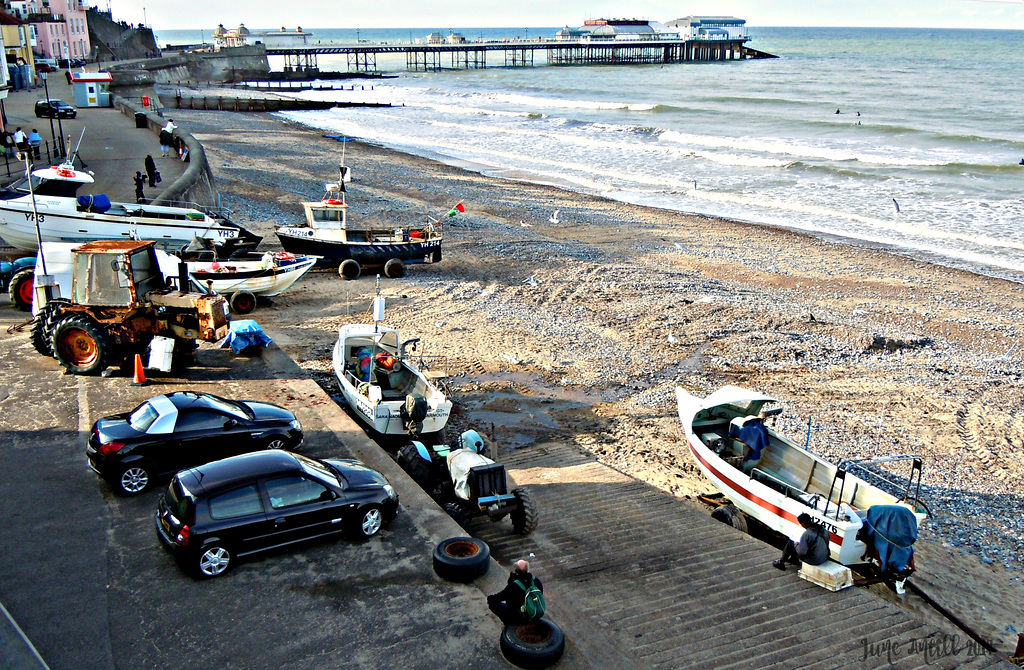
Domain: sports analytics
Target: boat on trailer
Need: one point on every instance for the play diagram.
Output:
(65, 216)
(381, 383)
(789, 480)
(328, 232)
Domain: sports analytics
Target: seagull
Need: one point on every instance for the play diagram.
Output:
(438, 324)
(672, 339)
(511, 358)
(531, 280)
(679, 247)
(554, 217)
(524, 224)
(896, 205)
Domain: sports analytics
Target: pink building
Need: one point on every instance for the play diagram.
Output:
(60, 26)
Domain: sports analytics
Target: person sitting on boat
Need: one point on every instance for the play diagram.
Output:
(812, 548)
(751, 431)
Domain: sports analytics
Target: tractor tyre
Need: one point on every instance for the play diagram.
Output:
(461, 559)
(82, 346)
(20, 288)
(533, 645)
(394, 269)
(242, 302)
(454, 510)
(349, 269)
(410, 460)
(37, 335)
(732, 516)
(525, 516)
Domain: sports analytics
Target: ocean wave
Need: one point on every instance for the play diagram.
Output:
(556, 103)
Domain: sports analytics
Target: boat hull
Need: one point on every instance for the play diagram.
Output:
(368, 254)
(251, 277)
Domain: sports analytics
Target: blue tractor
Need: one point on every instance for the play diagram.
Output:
(467, 483)
(18, 277)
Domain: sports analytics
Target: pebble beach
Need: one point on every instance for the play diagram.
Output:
(576, 329)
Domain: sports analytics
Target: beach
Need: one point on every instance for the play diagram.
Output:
(577, 330)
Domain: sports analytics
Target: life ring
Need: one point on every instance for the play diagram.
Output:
(284, 256)
(333, 201)
(65, 172)
(384, 360)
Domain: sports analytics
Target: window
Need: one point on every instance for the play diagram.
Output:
(240, 502)
(295, 490)
(143, 417)
(191, 421)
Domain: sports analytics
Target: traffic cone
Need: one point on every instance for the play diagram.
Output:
(140, 373)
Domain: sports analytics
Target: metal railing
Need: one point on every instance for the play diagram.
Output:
(52, 151)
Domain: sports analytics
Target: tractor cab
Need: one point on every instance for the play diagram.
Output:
(115, 273)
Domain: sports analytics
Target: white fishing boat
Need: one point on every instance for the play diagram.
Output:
(65, 216)
(382, 384)
(789, 480)
(267, 275)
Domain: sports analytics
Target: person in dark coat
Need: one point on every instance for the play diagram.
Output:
(508, 602)
(140, 181)
(151, 169)
(811, 549)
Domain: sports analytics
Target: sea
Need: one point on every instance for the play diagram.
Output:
(907, 139)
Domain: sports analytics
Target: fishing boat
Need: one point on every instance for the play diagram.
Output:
(789, 480)
(381, 383)
(328, 232)
(65, 216)
(242, 279)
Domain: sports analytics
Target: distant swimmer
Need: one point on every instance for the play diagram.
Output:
(858, 113)
(1021, 162)
(838, 112)
(896, 205)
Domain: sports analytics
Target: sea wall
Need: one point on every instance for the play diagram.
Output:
(196, 184)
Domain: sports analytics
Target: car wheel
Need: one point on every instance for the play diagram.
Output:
(133, 480)
(533, 645)
(368, 522)
(242, 302)
(524, 518)
(213, 561)
(20, 288)
(461, 559)
(276, 442)
(349, 269)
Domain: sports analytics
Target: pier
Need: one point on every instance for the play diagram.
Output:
(435, 57)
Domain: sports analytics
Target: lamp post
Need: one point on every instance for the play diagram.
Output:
(46, 88)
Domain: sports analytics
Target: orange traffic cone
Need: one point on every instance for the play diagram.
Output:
(140, 373)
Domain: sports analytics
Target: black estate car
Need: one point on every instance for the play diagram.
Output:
(175, 431)
(55, 109)
(215, 513)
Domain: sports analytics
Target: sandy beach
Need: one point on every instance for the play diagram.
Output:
(577, 332)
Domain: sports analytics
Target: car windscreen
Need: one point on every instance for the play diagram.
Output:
(320, 471)
(142, 417)
(179, 502)
(229, 407)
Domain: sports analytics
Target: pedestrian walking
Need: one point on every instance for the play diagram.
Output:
(140, 181)
(35, 140)
(8, 143)
(167, 138)
(151, 169)
(67, 73)
(20, 139)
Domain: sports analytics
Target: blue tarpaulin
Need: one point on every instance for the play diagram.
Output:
(893, 529)
(244, 334)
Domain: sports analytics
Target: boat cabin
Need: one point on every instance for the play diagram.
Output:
(373, 361)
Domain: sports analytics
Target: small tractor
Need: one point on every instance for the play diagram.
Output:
(119, 301)
(467, 483)
(16, 278)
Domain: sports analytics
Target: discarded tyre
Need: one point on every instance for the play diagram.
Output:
(533, 645)
(461, 559)
(731, 515)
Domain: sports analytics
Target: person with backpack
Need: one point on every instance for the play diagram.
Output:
(811, 549)
(522, 599)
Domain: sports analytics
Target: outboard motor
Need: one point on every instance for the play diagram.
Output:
(413, 412)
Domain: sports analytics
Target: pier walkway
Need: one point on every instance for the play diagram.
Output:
(363, 57)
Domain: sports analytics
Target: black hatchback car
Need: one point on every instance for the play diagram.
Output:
(55, 109)
(171, 432)
(218, 512)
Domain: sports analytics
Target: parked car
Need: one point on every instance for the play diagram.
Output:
(70, 63)
(216, 513)
(171, 432)
(45, 67)
(55, 109)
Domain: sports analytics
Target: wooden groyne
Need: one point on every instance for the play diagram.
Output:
(260, 104)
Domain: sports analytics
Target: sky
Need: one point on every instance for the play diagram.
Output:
(312, 14)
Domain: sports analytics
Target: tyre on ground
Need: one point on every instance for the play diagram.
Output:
(82, 346)
(533, 645)
(394, 269)
(349, 269)
(525, 516)
(20, 288)
(242, 302)
(732, 516)
(461, 559)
